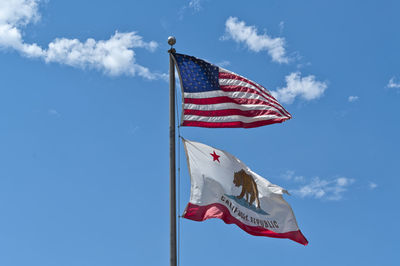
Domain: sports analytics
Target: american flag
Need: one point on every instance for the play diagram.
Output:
(216, 98)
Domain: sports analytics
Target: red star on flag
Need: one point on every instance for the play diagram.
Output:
(215, 156)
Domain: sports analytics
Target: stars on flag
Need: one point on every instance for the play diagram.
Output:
(215, 157)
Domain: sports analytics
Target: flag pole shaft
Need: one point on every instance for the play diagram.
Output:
(172, 163)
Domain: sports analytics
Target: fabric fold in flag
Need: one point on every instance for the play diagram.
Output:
(225, 188)
(214, 97)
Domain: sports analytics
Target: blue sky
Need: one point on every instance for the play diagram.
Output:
(84, 129)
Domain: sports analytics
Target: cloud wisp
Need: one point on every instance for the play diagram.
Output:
(115, 56)
(241, 33)
(324, 189)
(53, 112)
(194, 5)
(290, 175)
(352, 99)
(307, 88)
(372, 185)
(393, 84)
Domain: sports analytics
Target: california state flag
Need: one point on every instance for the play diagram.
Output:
(225, 188)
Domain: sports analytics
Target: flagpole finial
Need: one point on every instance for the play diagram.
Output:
(171, 41)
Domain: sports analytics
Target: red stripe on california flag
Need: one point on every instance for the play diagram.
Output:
(217, 210)
(233, 124)
(228, 112)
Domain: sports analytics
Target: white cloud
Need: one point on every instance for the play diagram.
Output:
(195, 5)
(324, 189)
(18, 12)
(289, 175)
(281, 26)
(393, 84)
(114, 56)
(239, 32)
(372, 185)
(53, 112)
(353, 98)
(308, 88)
(224, 63)
(15, 14)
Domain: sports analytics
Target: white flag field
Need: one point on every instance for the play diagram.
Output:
(225, 188)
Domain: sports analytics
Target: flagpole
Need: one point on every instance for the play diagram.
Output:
(172, 164)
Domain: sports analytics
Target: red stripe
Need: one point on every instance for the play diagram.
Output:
(226, 99)
(228, 112)
(217, 210)
(263, 90)
(234, 124)
(235, 88)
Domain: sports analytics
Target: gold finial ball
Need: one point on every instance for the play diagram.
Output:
(171, 40)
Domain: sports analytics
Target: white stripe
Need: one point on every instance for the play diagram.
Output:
(206, 94)
(219, 93)
(222, 106)
(230, 118)
(233, 95)
(235, 82)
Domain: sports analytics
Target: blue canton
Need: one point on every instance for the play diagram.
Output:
(197, 75)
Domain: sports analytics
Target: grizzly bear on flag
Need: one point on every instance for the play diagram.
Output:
(249, 187)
